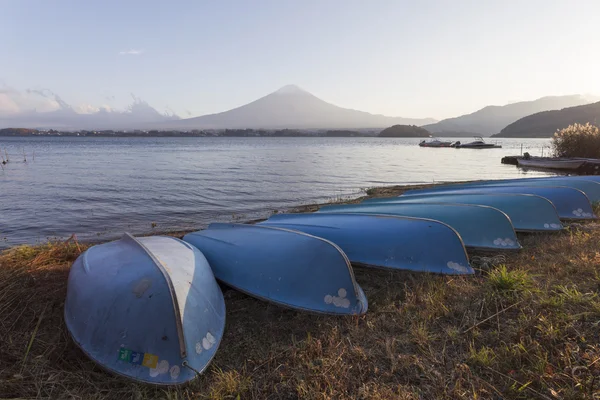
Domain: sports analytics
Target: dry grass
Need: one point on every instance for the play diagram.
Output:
(527, 328)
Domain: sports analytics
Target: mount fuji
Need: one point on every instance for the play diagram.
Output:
(291, 107)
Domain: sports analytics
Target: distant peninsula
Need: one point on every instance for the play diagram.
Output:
(545, 124)
(404, 131)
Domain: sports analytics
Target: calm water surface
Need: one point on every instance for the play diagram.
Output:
(102, 187)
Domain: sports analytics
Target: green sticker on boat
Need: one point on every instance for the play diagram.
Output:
(124, 355)
(138, 358)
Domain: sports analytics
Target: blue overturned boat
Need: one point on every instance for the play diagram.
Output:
(286, 267)
(593, 178)
(480, 227)
(146, 308)
(527, 212)
(570, 203)
(589, 187)
(385, 241)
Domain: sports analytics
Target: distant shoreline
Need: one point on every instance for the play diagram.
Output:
(406, 132)
(22, 132)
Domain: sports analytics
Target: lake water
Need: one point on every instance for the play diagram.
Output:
(98, 188)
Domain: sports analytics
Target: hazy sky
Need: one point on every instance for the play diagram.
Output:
(400, 58)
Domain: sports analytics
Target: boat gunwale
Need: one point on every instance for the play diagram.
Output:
(174, 301)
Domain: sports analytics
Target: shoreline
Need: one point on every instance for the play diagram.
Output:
(524, 325)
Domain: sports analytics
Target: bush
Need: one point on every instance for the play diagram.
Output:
(577, 141)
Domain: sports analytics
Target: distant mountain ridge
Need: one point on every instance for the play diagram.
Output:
(294, 108)
(139, 113)
(492, 119)
(546, 123)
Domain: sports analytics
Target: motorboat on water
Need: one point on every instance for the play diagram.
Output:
(478, 143)
(435, 143)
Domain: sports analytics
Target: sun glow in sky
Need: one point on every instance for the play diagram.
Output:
(400, 58)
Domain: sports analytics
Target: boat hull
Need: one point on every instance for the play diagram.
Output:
(443, 144)
(148, 309)
(285, 267)
(480, 227)
(528, 213)
(587, 186)
(385, 241)
(570, 203)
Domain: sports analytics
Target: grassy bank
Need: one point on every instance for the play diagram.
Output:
(525, 326)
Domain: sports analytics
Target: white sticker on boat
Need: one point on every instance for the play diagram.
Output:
(198, 347)
(208, 341)
(579, 213)
(340, 300)
(555, 226)
(457, 267)
(211, 338)
(174, 372)
(546, 225)
(161, 368)
(504, 242)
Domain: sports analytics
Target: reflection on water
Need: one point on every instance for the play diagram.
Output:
(105, 186)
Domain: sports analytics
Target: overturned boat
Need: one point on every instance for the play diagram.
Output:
(527, 212)
(283, 266)
(480, 227)
(146, 308)
(570, 203)
(588, 186)
(385, 241)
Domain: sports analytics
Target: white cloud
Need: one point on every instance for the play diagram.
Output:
(131, 52)
(85, 109)
(8, 105)
(13, 101)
